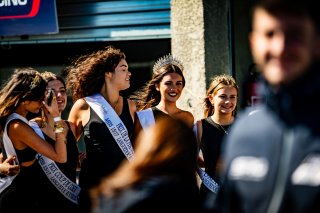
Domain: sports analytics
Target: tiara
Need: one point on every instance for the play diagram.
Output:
(168, 59)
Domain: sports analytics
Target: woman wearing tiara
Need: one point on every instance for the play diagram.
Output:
(100, 114)
(158, 98)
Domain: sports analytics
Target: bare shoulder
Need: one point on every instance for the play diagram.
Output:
(79, 112)
(80, 104)
(132, 105)
(187, 117)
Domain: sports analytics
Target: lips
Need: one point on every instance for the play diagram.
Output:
(172, 94)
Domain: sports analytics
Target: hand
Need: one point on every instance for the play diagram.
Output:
(9, 166)
(53, 109)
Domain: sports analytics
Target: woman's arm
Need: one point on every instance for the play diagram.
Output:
(22, 135)
(79, 115)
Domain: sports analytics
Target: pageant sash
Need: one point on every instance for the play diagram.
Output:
(208, 181)
(9, 149)
(64, 185)
(205, 178)
(113, 122)
(146, 118)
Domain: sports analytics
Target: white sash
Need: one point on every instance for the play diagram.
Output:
(205, 178)
(63, 184)
(9, 149)
(113, 122)
(146, 118)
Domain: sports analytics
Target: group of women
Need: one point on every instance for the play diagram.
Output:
(141, 151)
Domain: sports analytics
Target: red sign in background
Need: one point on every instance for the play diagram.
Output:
(28, 17)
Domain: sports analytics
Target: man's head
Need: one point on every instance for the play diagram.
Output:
(285, 38)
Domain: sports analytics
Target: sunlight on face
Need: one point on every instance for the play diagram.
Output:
(224, 100)
(171, 87)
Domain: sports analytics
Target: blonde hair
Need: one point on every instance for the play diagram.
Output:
(217, 83)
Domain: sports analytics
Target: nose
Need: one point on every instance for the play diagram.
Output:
(57, 93)
(279, 43)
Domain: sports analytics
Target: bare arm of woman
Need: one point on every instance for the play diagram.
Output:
(79, 115)
(22, 135)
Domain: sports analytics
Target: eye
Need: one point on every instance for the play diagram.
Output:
(62, 91)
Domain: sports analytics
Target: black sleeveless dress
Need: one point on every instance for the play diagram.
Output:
(103, 153)
(210, 145)
(49, 196)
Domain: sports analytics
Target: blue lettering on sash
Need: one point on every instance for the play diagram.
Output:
(114, 131)
(52, 167)
(108, 122)
(40, 160)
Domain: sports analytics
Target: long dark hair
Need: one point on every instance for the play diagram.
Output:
(24, 84)
(148, 96)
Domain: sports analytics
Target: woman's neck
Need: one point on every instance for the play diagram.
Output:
(111, 95)
(168, 108)
(223, 119)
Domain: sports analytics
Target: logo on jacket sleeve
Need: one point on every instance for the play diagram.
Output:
(308, 172)
(248, 168)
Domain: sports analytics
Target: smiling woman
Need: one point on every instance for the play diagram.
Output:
(21, 95)
(160, 94)
(95, 81)
(219, 111)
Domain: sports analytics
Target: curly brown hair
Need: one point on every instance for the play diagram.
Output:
(85, 75)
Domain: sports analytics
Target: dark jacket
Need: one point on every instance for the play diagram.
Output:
(281, 139)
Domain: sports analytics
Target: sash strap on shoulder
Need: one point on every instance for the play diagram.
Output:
(115, 125)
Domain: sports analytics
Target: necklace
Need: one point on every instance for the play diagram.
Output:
(223, 129)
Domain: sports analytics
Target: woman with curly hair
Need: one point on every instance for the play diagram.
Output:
(100, 114)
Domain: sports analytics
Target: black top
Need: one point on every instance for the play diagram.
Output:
(211, 143)
(157, 113)
(25, 155)
(69, 168)
(103, 153)
(50, 199)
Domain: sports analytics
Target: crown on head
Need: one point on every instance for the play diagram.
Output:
(167, 59)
